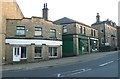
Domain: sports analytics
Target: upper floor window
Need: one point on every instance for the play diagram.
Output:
(91, 32)
(38, 31)
(64, 29)
(81, 29)
(20, 30)
(101, 29)
(53, 33)
(94, 33)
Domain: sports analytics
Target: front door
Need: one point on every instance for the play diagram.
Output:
(16, 53)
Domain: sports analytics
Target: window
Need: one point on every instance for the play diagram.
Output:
(23, 52)
(81, 29)
(16, 50)
(53, 51)
(64, 29)
(101, 29)
(20, 30)
(38, 31)
(38, 51)
(91, 32)
(94, 33)
(52, 33)
(102, 40)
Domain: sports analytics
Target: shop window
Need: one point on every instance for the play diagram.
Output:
(23, 52)
(53, 51)
(38, 51)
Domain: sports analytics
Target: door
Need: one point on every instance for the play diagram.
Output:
(16, 53)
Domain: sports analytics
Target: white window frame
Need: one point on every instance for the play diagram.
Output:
(20, 52)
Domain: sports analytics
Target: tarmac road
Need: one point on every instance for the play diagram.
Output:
(106, 66)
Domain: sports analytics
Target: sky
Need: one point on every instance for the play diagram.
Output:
(80, 10)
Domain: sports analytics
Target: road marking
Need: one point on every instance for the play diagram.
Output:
(59, 75)
(62, 74)
(106, 63)
(84, 70)
(74, 72)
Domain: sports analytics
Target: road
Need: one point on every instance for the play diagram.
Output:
(103, 67)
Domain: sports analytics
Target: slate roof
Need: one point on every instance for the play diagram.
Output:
(109, 22)
(66, 20)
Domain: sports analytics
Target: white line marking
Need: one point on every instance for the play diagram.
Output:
(59, 75)
(85, 70)
(71, 71)
(62, 74)
(106, 63)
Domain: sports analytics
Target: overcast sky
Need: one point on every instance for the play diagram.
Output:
(80, 10)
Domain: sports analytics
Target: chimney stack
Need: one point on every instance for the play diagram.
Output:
(98, 18)
(45, 12)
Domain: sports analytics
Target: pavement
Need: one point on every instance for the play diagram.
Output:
(55, 62)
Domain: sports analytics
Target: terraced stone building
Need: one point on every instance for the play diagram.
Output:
(78, 38)
(107, 31)
(28, 39)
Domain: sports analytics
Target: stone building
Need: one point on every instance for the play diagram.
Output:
(118, 36)
(28, 39)
(78, 38)
(8, 9)
(107, 33)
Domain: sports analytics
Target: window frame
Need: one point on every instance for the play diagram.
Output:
(38, 29)
(65, 29)
(51, 49)
(52, 32)
(19, 29)
(25, 53)
(84, 30)
(39, 52)
(81, 30)
(94, 32)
